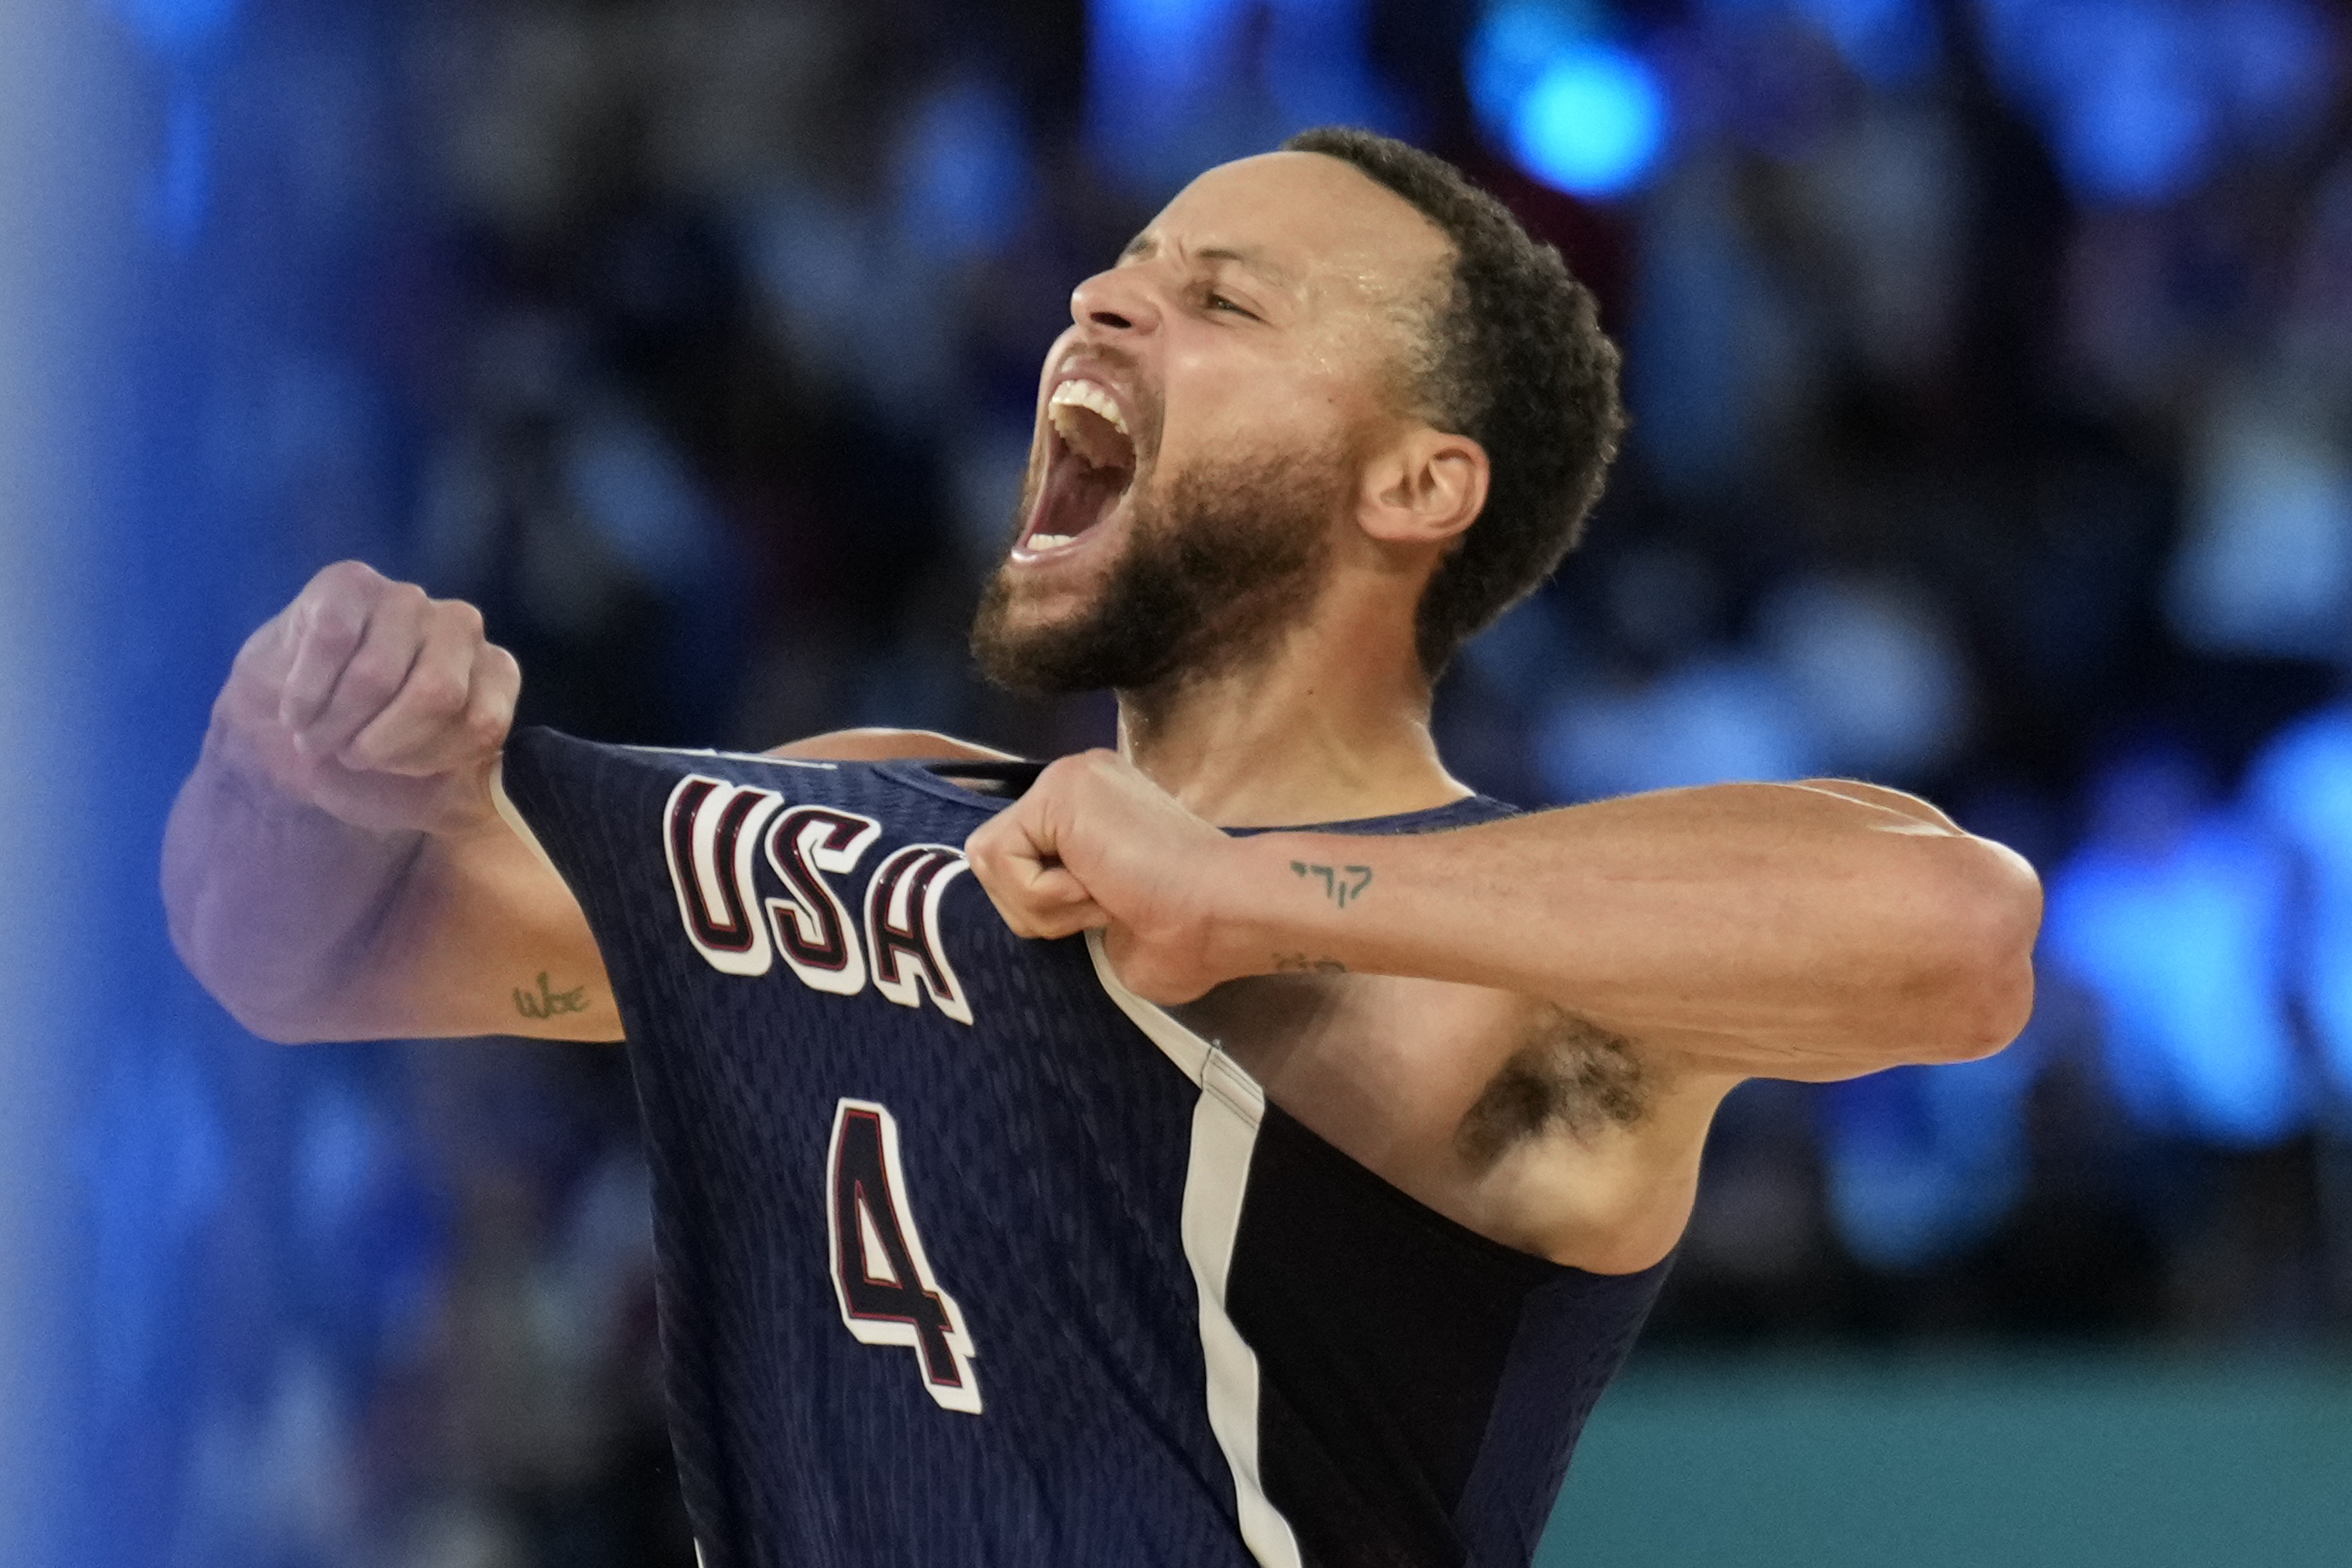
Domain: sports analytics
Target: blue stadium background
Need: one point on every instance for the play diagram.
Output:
(1992, 367)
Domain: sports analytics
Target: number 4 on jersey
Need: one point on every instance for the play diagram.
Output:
(887, 1293)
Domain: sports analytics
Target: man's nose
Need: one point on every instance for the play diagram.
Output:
(1116, 302)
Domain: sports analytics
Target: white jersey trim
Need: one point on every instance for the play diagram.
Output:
(506, 808)
(717, 755)
(1225, 1135)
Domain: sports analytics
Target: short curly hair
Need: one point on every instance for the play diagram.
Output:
(1517, 361)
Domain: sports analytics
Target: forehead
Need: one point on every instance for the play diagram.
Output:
(1313, 224)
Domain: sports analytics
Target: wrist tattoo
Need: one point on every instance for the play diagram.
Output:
(1341, 883)
(1300, 963)
(548, 1003)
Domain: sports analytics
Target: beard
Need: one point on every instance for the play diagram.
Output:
(1212, 575)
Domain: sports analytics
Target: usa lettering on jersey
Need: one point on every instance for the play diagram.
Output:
(754, 879)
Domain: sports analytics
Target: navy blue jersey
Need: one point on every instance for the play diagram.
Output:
(968, 1255)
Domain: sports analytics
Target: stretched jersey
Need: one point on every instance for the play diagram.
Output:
(968, 1255)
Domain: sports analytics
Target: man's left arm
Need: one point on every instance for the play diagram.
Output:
(1814, 931)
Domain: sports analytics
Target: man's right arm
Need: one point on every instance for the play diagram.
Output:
(335, 868)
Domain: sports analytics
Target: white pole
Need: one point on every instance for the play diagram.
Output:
(55, 193)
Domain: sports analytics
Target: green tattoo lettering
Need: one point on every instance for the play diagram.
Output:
(550, 1003)
(1342, 884)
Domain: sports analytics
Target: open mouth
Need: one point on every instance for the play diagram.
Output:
(1089, 466)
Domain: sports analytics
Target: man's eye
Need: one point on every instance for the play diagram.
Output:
(1217, 301)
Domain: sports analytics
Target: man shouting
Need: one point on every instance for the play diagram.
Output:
(1249, 1146)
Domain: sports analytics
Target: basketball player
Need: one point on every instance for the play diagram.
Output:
(1052, 1167)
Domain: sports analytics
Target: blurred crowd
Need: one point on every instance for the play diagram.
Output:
(1991, 369)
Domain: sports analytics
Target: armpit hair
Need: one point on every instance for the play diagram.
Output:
(1571, 1074)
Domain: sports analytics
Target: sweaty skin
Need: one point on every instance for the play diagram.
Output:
(1527, 1024)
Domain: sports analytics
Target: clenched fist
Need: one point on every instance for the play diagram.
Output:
(1095, 845)
(378, 706)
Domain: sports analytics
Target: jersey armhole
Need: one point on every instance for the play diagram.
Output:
(513, 817)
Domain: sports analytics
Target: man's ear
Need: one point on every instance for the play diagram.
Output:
(1425, 488)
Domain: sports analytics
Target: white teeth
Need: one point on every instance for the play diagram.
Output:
(1088, 396)
(1036, 544)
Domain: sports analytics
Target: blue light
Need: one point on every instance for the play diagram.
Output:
(1509, 53)
(1581, 114)
(1173, 86)
(1318, 71)
(2121, 89)
(1921, 1163)
(964, 164)
(178, 27)
(1593, 123)
(2302, 783)
(1165, 49)
(1889, 43)
(2139, 126)
(183, 187)
(2174, 917)
(2140, 99)
(2275, 66)
(1711, 721)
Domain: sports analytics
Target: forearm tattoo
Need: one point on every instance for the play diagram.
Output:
(1342, 885)
(547, 1002)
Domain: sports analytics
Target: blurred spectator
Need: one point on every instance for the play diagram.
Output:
(2173, 914)
(2302, 785)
